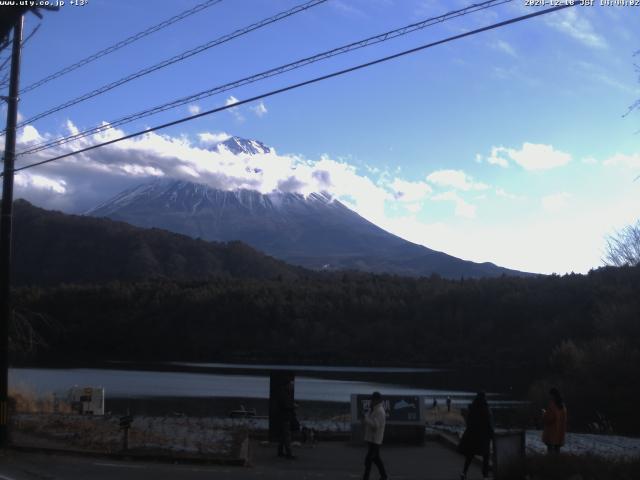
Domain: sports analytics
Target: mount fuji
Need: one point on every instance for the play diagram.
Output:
(314, 231)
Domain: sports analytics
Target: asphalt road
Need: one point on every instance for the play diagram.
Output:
(329, 460)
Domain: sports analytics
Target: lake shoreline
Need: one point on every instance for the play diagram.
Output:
(508, 383)
(220, 407)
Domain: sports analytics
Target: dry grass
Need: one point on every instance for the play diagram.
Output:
(26, 400)
(183, 437)
(440, 416)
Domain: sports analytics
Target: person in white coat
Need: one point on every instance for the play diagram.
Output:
(374, 422)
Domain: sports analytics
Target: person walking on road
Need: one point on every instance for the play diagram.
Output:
(448, 404)
(476, 439)
(554, 419)
(374, 423)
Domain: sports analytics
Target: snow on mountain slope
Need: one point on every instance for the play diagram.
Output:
(237, 145)
(315, 231)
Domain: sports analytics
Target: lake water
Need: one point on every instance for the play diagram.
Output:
(232, 381)
(307, 368)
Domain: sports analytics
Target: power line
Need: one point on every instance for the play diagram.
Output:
(270, 73)
(176, 58)
(4, 64)
(121, 44)
(31, 34)
(302, 84)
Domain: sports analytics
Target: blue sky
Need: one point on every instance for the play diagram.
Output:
(509, 146)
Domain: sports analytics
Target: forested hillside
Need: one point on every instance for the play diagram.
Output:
(93, 290)
(53, 247)
(581, 331)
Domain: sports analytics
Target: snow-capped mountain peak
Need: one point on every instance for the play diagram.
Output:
(315, 230)
(238, 145)
(187, 197)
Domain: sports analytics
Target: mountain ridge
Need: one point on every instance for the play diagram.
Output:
(314, 231)
(53, 247)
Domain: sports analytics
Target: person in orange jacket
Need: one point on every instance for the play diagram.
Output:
(554, 419)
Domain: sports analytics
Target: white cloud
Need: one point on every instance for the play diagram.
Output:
(194, 109)
(500, 192)
(574, 241)
(505, 47)
(589, 161)
(260, 109)
(73, 130)
(539, 157)
(602, 75)
(465, 210)
(142, 171)
(231, 100)
(570, 243)
(342, 180)
(553, 243)
(556, 202)
(462, 208)
(406, 191)
(623, 160)
(94, 176)
(456, 179)
(413, 207)
(235, 111)
(495, 159)
(211, 138)
(27, 180)
(28, 134)
(531, 156)
(578, 27)
(627, 87)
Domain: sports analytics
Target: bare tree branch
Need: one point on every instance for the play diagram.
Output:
(26, 331)
(623, 247)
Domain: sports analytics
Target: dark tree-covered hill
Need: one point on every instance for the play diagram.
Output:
(53, 247)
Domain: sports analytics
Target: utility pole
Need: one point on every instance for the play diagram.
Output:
(6, 221)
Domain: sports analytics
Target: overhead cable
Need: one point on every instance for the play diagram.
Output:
(300, 84)
(120, 44)
(382, 37)
(176, 58)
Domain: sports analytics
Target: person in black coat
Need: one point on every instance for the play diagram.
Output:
(476, 439)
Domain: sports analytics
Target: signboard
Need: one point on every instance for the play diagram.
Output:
(87, 400)
(400, 409)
